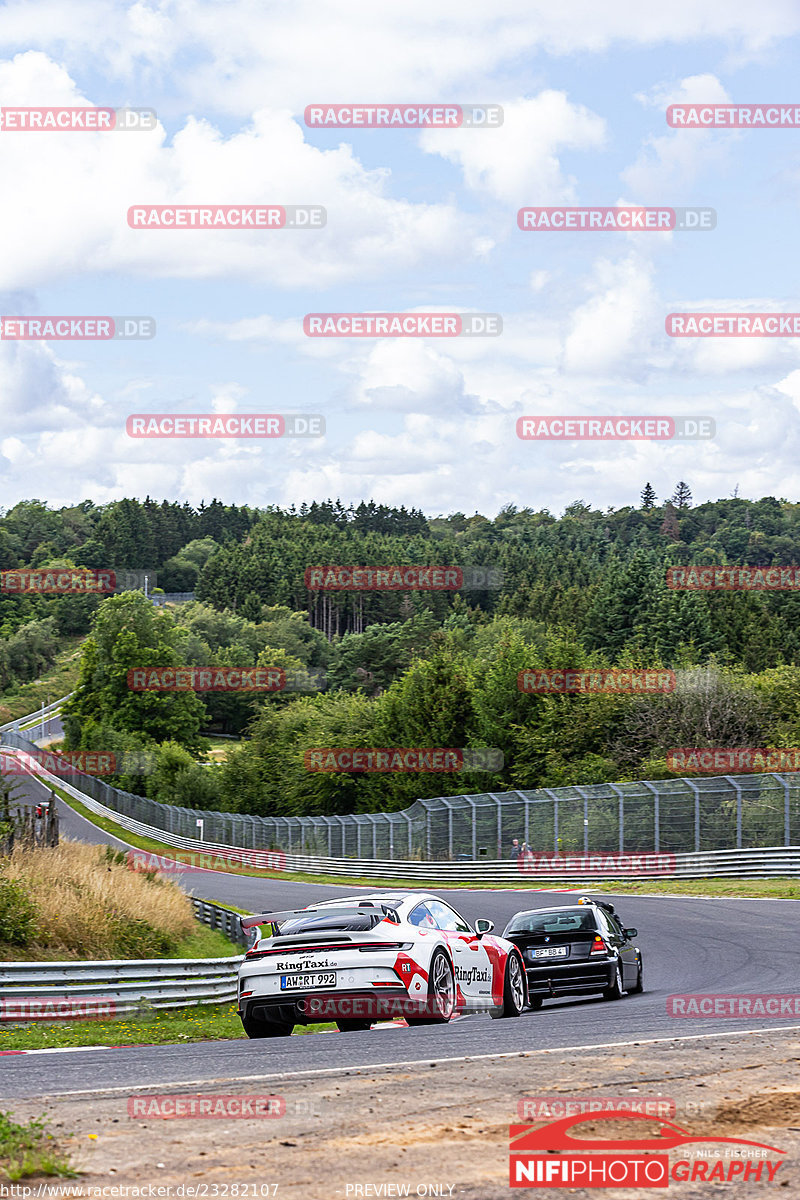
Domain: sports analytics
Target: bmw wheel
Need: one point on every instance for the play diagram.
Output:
(639, 985)
(616, 991)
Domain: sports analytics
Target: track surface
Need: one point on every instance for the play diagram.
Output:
(690, 945)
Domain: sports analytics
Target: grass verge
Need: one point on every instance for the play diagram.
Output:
(778, 887)
(154, 1026)
(56, 681)
(28, 1149)
(207, 943)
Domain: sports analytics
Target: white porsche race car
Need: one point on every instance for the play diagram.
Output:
(368, 958)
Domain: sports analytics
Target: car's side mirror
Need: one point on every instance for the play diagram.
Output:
(631, 933)
(483, 926)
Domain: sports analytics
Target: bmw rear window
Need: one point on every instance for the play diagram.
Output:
(569, 921)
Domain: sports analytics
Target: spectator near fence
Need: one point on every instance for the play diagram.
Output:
(515, 848)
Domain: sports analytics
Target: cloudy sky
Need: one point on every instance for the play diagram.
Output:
(416, 221)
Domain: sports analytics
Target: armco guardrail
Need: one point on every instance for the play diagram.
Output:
(46, 991)
(223, 919)
(32, 718)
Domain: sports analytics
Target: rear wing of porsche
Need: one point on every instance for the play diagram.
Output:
(353, 917)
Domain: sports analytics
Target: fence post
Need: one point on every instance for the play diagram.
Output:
(656, 815)
(738, 789)
(449, 833)
(526, 828)
(696, 792)
(786, 810)
(499, 824)
(581, 793)
(621, 818)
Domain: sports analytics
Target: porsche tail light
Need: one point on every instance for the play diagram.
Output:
(386, 946)
(598, 946)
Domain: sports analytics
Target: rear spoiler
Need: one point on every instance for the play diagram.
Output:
(345, 911)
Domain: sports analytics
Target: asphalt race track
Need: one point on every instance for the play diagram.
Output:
(690, 945)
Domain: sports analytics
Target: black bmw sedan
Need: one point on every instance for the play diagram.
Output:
(578, 949)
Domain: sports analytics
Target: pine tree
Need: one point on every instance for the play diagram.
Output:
(682, 496)
(648, 496)
(669, 526)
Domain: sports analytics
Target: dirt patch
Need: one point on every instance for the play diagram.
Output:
(445, 1128)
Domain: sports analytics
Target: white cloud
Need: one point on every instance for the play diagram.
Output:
(618, 325)
(669, 164)
(243, 55)
(80, 225)
(517, 162)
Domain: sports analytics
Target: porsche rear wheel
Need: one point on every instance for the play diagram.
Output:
(441, 992)
(513, 988)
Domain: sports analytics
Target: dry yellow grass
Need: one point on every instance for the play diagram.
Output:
(90, 905)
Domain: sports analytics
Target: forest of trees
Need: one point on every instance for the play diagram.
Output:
(414, 668)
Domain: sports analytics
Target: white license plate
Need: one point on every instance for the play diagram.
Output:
(316, 979)
(552, 952)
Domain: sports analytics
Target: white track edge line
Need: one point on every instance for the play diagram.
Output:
(419, 1062)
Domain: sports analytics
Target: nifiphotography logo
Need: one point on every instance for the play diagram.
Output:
(552, 1156)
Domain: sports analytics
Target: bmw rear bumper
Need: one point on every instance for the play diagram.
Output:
(551, 979)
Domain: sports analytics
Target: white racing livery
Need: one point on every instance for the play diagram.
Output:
(368, 958)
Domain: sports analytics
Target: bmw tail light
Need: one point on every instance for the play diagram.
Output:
(598, 946)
